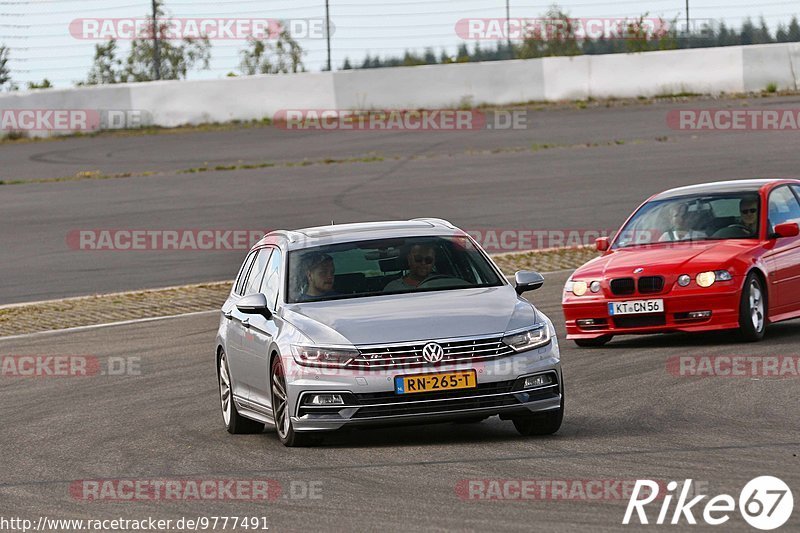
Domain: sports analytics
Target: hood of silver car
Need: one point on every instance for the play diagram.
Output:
(412, 317)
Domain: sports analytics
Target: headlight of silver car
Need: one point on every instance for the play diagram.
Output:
(530, 339)
(323, 356)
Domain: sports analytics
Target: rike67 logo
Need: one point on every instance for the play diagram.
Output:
(765, 503)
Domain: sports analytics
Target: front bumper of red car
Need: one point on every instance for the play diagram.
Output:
(689, 309)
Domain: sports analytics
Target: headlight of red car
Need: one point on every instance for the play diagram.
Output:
(707, 279)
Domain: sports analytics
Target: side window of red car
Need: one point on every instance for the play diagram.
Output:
(783, 206)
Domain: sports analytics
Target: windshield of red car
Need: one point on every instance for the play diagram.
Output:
(693, 218)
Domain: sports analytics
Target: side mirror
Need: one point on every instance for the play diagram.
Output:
(254, 304)
(526, 280)
(787, 229)
(602, 244)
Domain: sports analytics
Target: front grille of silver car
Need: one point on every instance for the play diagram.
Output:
(378, 357)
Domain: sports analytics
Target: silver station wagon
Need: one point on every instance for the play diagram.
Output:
(378, 324)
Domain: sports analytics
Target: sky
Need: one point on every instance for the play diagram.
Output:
(42, 46)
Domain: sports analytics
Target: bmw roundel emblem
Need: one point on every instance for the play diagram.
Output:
(432, 352)
(638, 270)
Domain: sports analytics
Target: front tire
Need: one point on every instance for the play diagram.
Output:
(753, 309)
(281, 410)
(540, 424)
(593, 343)
(235, 423)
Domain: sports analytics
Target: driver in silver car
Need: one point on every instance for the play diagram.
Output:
(421, 260)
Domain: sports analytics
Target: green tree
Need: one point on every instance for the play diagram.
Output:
(5, 72)
(762, 35)
(556, 36)
(726, 37)
(781, 35)
(640, 38)
(176, 58)
(106, 68)
(347, 65)
(794, 30)
(462, 55)
(748, 33)
(44, 85)
(264, 57)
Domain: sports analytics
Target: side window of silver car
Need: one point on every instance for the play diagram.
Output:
(271, 285)
(253, 284)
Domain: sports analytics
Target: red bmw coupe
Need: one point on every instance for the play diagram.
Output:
(707, 257)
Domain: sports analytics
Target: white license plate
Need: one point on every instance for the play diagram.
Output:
(636, 307)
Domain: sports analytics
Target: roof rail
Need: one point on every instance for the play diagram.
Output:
(435, 222)
(291, 236)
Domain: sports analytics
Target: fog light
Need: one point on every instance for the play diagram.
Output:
(541, 380)
(325, 399)
(699, 314)
(684, 280)
(582, 322)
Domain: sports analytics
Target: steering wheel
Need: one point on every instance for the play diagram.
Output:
(733, 231)
(444, 281)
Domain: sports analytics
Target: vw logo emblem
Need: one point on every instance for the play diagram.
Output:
(638, 270)
(432, 352)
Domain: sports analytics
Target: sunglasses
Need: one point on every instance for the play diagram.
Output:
(749, 211)
(428, 260)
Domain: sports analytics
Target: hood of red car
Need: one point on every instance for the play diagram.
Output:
(665, 259)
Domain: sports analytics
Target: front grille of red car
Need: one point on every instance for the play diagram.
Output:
(623, 286)
(651, 284)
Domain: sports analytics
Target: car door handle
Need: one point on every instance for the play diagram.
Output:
(246, 322)
(228, 314)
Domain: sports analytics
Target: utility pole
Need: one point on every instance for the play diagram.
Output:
(687, 18)
(156, 48)
(328, 32)
(508, 27)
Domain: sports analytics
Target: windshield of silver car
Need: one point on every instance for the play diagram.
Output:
(387, 266)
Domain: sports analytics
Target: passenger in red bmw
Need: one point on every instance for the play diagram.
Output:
(683, 225)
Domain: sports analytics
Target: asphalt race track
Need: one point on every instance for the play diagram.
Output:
(626, 418)
(478, 180)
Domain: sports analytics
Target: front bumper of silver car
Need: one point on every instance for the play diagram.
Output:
(370, 399)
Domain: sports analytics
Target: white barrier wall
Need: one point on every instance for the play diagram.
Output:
(779, 64)
(440, 86)
(171, 103)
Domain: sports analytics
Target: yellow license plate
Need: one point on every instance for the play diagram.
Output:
(467, 379)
